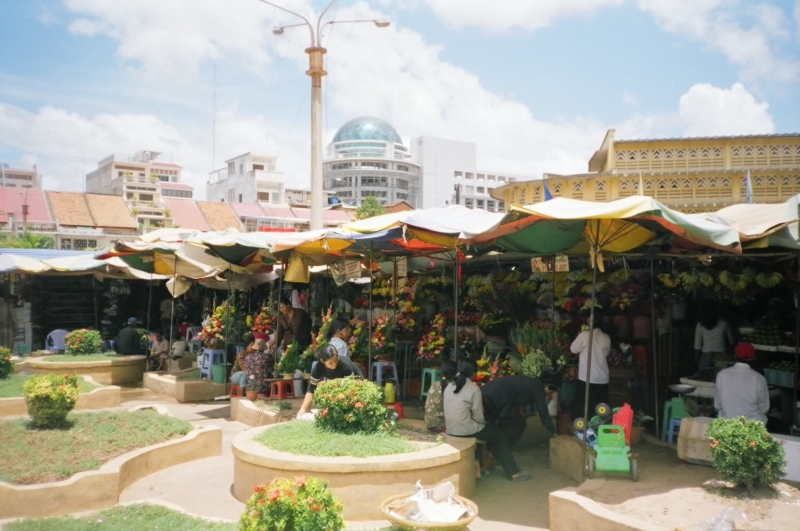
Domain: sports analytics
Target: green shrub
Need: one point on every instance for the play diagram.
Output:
(6, 367)
(745, 453)
(50, 398)
(83, 341)
(348, 405)
(297, 504)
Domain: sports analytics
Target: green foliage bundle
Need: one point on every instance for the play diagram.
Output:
(349, 405)
(50, 398)
(6, 367)
(299, 504)
(745, 453)
(83, 341)
(290, 361)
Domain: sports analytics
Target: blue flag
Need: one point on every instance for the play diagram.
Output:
(749, 196)
(547, 195)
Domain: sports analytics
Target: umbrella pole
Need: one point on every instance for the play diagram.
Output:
(172, 312)
(94, 291)
(655, 340)
(455, 305)
(225, 354)
(149, 301)
(796, 348)
(553, 305)
(591, 344)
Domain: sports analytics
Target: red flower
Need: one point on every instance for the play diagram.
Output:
(714, 444)
(752, 444)
(274, 494)
(301, 481)
(359, 405)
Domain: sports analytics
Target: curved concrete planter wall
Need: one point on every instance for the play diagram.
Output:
(247, 412)
(124, 370)
(167, 383)
(570, 511)
(101, 488)
(360, 483)
(96, 399)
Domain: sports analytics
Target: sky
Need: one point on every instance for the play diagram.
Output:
(534, 84)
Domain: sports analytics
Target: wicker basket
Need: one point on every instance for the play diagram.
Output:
(406, 524)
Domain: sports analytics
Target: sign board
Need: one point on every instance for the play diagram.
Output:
(545, 264)
(402, 267)
(352, 269)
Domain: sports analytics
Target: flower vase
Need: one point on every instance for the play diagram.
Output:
(251, 395)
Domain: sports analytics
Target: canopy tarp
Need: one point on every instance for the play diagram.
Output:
(561, 225)
(164, 258)
(762, 225)
(12, 263)
(112, 267)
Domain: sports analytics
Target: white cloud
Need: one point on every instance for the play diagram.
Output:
(509, 14)
(629, 98)
(722, 25)
(704, 110)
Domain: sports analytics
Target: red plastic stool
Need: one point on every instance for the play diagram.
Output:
(281, 389)
(397, 406)
(236, 391)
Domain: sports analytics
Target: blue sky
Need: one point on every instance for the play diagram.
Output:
(534, 84)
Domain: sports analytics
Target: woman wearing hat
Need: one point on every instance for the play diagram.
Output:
(258, 366)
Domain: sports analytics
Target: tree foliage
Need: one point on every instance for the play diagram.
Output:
(370, 207)
(26, 240)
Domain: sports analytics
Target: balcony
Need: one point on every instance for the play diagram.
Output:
(138, 179)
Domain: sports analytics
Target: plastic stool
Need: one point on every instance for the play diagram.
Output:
(397, 406)
(673, 409)
(236, 391)
(210, 358)
(281, 389)
(674, 423)
(23, 350)
(377, 373)
(434, 374)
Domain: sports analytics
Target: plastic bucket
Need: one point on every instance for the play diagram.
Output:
(218, 373)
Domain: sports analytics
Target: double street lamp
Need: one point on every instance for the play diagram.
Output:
(316, 70)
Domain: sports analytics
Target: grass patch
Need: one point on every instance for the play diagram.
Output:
(29, 456)
(194, 374)
(303, 438)
(14, 385)
(81, 357)
(126, 518)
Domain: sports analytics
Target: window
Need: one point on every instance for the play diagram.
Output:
(80, 244)
(457, 175)
(341, 182)
(481, 190)
(145, 197)
(177, 193)
(480, 203)
(231, 168)
(470, 176)
(263, 196)
(374, 181)
(258, 167)
(376, 165)
(141, 174)
(469, 190)
(481, 177)
(163, 178)
(66, 244)
(372, 193)
(401, 196)
(490, 206)
(240, 198)
(344, 193)
(402, 184)
(501, 205)
(342, 166)
(402, 167)
(501, 179)
(92, 244)
(468, 203)
(491, 177)
(231, 195)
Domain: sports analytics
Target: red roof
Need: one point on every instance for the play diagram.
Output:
(248, 210)
(186, 214)
(327, 214)
(12, 199)
(278, 211)
(176, 186)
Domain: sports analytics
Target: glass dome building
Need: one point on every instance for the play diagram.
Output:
(367, 158)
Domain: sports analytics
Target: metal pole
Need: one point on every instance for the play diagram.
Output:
(795, 422)
(553, 305)
(172, 312)
(369, 320)
(455, 304)
(591, 344)
(655, 338)
(316, 69)
(149, 301)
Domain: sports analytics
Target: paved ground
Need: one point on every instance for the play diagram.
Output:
(203, 487)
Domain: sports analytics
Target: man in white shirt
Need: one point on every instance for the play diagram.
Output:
(741, 391)
(598, 379)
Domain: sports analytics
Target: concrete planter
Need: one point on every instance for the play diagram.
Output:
(248, 412)
(127, 369)
(570, 511)
(167, 383)
(98, 489)
(385, 476)
(96, 399)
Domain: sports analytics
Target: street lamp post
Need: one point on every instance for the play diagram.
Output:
(316, 70)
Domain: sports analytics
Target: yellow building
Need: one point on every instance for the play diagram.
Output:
(688, 174)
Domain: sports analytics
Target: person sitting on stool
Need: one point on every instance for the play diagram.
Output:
(740, 391)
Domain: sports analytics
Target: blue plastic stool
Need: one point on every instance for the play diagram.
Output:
(435, 375)
(211, 358)
(673, 424)
(377, 373)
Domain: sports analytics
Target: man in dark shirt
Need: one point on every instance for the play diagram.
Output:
(330, 367)
(128, 340)
(503, 397)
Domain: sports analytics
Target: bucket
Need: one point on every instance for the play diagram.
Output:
(218, 372)
(563, 423)
(298, 384)
(389, 393)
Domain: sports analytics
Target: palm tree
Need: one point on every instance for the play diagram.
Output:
(26, 240)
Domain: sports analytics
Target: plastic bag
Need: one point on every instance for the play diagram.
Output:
(724, 521)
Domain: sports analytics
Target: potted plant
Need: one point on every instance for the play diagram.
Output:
(252, 389)
(290, 361)
(637, 430)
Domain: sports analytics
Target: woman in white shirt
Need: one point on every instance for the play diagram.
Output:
(712, 335)
(598, 383)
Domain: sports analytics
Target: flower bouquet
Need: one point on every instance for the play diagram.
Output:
(215, 326)
(264, 323)
(290, 361)
(432, 347)
(494, 325)
(381, 340)
(358, 341)
(321, 339)
(406, 322)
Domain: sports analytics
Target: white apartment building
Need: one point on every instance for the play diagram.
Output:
(18, 177)
(143, 181)
(248, 178)
(367, 158)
